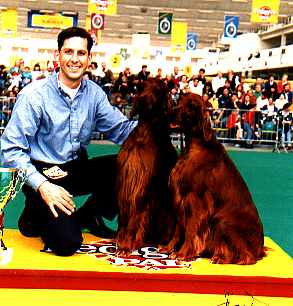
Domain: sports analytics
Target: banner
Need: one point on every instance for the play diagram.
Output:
(8, 23)
(191, 41)
(141, 45)
(231, 24)
(265, 11)
(97, 22)
(178, 37)
(104, 7)
(38, 19)
(165, 23)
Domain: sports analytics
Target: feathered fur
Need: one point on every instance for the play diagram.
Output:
(216, 216)
(144, 164)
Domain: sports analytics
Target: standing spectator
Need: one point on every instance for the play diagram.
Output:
(233, 79)
(218, 81)
(159, 74)
(175, 76)
(285, 121)
(107, 80)
(201, 77)
(287, 93)
(271, 87)
(142, 76)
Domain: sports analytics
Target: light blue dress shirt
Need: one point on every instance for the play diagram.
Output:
(46, 125)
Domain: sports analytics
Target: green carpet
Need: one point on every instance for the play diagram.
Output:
(268, 175)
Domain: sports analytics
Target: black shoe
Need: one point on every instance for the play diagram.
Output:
(27, 226)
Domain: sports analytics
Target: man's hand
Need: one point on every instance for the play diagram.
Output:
(54, 195)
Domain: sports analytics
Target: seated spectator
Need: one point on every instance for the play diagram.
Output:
(183, 84)
(208, 89)
(26, 76)
(195, 87)
(269, 115)
(281, 101)
(219, 92)
(37, 73)
(281, 83)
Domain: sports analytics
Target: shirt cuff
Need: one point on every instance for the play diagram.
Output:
(35, 180)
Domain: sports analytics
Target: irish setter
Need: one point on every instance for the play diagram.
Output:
(216, 216)
(145, 161)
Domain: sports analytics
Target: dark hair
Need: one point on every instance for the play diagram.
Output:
(74, 32)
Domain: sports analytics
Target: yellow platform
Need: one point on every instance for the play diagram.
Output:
(96, 269)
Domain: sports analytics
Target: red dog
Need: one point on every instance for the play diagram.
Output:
(216, 216)
(144, 164)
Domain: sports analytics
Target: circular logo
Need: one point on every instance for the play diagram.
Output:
(97, 21)
(191, 45)
(265, 12)
(165, 25)
(230, 29)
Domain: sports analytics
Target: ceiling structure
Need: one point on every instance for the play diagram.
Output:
(206, 18)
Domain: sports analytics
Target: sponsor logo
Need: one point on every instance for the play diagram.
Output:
(265, 12)
(147, 257)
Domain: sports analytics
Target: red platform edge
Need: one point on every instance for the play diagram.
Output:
(119, 281)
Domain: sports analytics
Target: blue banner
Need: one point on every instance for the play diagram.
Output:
(231, 24)
(191, 41)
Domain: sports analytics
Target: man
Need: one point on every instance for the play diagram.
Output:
(47, 135)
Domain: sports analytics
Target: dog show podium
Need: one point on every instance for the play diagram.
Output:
(29, 274)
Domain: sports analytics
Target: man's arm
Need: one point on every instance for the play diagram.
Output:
(15, 141)
(15, 152)
(112, 122)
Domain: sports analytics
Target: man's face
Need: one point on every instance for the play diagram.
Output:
(74, 59)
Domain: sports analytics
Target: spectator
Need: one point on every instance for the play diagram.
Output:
(218, 81)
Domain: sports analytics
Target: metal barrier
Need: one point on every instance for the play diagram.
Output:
(237, 127)
(247, 127)
(6, 107)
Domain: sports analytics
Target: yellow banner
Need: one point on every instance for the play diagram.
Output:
(105, 7)
(265, 11)
(52, 21)
(88, 22)
(178, 36)
(8, 23)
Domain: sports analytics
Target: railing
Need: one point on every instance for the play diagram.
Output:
(6, 107)
(231, 126)
(247, 128)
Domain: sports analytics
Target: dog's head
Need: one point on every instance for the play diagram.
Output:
(192, 117)
(152, 101)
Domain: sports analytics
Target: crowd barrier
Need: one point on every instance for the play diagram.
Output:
(248, 128)
(6, 107)
(237, 127)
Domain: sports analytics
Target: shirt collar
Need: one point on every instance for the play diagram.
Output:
(54, 79)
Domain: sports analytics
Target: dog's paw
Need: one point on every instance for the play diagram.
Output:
(123, 252)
